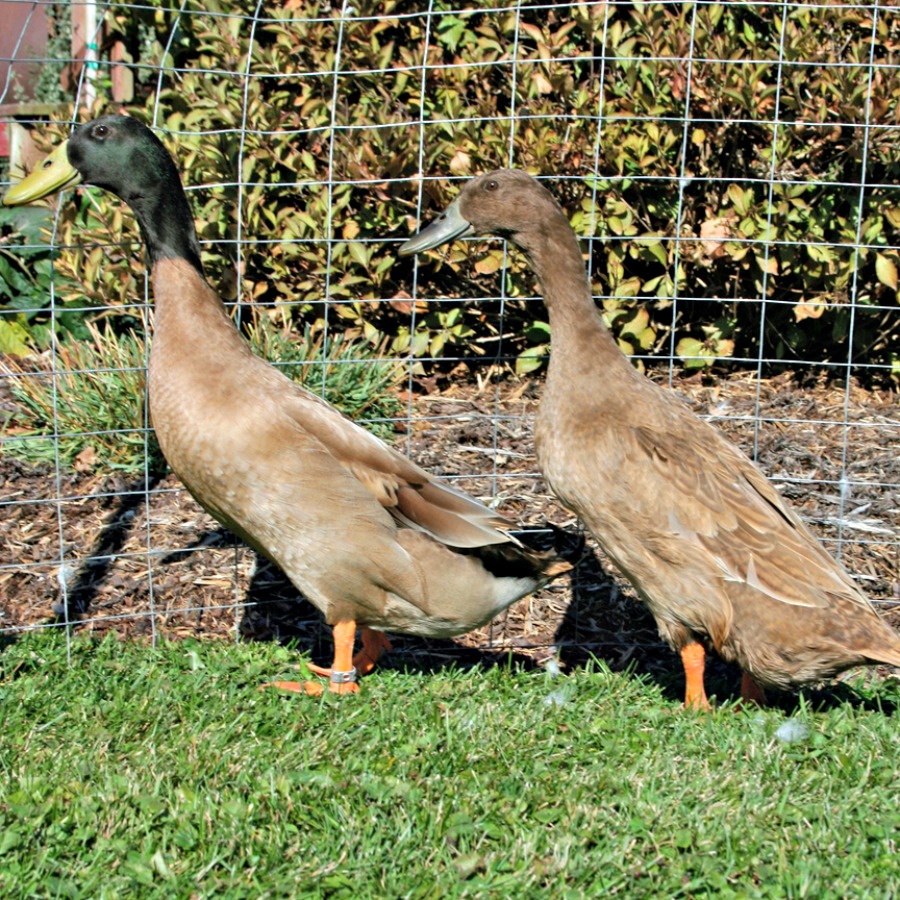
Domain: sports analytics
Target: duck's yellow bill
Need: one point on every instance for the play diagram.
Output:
(51, 176)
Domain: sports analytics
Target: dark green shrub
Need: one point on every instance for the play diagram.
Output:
(691, 221)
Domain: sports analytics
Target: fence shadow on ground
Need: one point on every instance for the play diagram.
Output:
(75, 601)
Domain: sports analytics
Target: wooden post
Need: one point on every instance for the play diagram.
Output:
(122, 76)
(85, 47)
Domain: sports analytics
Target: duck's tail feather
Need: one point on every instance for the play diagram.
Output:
(887, 651)
(542, 555)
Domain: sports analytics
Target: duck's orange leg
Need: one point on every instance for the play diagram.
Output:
(374, 643)
(751, 692)
(693, 658)
(341, 675)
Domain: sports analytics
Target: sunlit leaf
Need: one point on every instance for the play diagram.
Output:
(886, 271)
(13, 338)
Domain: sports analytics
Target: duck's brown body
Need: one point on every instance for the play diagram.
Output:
(708, 543)
(304, 485)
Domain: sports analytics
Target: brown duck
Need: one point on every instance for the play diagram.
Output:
(364, 533)
(710, 546)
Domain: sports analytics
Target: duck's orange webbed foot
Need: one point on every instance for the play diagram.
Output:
(338, 682)
(693, 658)
(342, 675)
(374, 643)
(346, 668)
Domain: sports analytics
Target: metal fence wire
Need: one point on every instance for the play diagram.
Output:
(313, 139)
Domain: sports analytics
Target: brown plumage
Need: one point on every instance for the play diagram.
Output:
(710, 546)
(362, 531)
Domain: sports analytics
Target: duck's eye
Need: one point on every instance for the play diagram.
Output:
(491, 186)
(101, 131)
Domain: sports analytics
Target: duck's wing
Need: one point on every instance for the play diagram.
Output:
(711, 494)
(411, 496)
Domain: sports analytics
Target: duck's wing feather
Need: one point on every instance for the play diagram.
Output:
(400, 486)
(716, 496)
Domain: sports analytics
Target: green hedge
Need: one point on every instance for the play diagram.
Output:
(692, 221)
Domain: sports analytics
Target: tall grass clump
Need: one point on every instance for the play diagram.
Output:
(86, 400)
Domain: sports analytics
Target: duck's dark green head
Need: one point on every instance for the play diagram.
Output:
(116, 153)
(119, 154)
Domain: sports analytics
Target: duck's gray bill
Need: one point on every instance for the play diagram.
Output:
(448, 225)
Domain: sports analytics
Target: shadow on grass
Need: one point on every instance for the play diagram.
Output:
(831, 697)
(7, 640)
(602, 623)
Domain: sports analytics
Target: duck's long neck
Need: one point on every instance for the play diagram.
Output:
(575, 322)
(167, 224)
(188, 312)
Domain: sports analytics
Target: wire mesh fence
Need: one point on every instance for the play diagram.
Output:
(730, 167)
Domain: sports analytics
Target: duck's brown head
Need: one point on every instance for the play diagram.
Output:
(507, 202)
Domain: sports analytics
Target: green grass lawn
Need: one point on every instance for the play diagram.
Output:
(141, 772)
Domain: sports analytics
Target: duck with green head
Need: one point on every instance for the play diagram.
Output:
(364, 533)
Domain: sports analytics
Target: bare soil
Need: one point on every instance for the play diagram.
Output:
(101, 553)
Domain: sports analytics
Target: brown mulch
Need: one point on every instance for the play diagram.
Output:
(141, 563)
